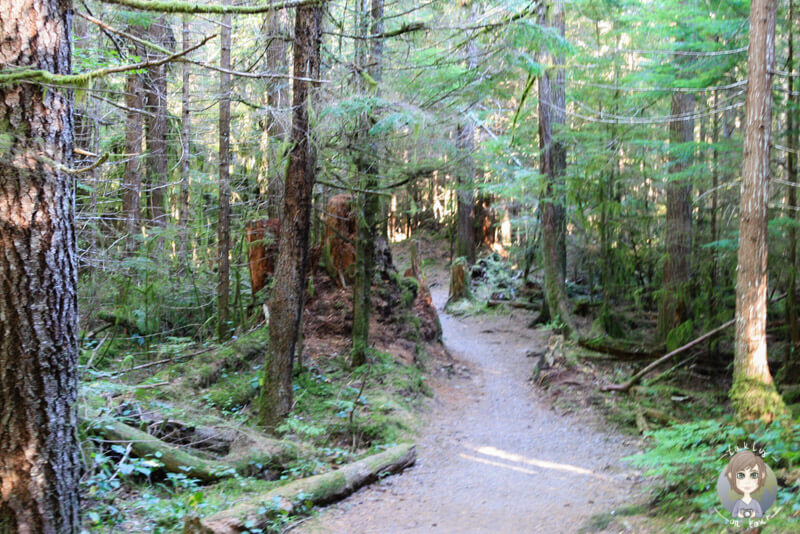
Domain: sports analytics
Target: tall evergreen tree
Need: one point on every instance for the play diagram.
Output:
(40, 460)
(753, 392)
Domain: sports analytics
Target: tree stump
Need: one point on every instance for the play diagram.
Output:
(262, 249)
(459, 282)
(338, 245)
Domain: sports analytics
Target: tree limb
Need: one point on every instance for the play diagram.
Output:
(209, 9)
(635, 378)
(83, 79)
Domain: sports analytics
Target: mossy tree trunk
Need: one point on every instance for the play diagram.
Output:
(753, 392)
(40, 461)
(287, 299)
(553, 165)
(370, 20)
(224, 214)
(183, 205)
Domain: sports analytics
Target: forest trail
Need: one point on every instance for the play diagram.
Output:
(492, 458)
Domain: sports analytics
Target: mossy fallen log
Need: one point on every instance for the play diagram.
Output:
(621, 348)
(144, 445)
(256, 511)
(247, 447)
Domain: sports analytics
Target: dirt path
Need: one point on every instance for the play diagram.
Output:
(492, 458)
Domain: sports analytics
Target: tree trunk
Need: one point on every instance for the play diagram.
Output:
(674, 308)
(791, 171)
(274, 140)
(553, 165)
(465, 235)
(753, 392)
(183, 213)
(465, 177)
(366, 165)
(40, 461)
(286, 302)
(156, 101)
(133, 147)
(224, 221)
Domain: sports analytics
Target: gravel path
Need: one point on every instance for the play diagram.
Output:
(491, 457)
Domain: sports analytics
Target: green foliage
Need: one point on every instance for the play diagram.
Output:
(686, 460)
(680, 335)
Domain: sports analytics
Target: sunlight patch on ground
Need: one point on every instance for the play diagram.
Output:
(544, 464)
(497, 464)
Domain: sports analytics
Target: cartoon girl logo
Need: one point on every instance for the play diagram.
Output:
(747, 487)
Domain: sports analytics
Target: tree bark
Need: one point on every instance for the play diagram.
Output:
(753, 392)
(553, 165)
(465, 195)
(224, 217)
(183, 207)
(465, 177)
(40, 461)
(366, 165)
(286, 302)
(274, 137)
(791, 172)
(156, 105)
(674, 307)
(133, 147)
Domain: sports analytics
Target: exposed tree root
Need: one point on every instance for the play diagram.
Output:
(255, 511)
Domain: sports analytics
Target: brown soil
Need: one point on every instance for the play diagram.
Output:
(493, 456)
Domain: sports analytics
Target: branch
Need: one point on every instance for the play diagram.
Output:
(159, 48)
(102, 159)
(635, 378)
(83, 79)
(211, 9)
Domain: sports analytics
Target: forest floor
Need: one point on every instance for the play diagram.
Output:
(494, 454)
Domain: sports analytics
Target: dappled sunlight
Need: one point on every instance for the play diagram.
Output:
(519, 459)
(498, 464)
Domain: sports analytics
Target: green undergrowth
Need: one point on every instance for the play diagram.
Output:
(685, 461)
(340, 407)
(340, 415)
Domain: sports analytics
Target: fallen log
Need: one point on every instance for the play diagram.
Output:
(256, 511)
(145, 445)
(513, 303)
(638, 376)
(618, 347)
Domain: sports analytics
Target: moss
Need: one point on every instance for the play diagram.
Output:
(219, 9)
(409, 290)
(328, 487)
(753, 400)
(233, 392)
